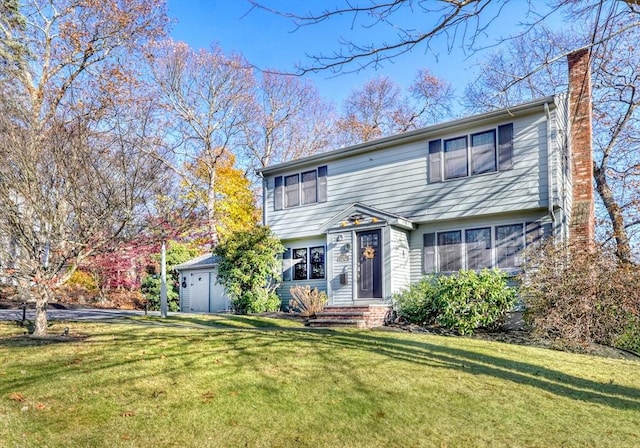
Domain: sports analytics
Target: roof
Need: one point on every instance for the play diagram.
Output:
(409, 136)
(360, 213)
(201, 262)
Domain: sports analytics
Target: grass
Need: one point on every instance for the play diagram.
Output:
(233, 381)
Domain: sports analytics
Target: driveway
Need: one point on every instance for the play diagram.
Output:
(75, 314)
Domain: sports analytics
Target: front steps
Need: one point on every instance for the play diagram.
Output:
(358, 316)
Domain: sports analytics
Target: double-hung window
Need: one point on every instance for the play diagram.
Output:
(308, 187)
(509, 245)
(499, 246)
(450, 251)
(455, 158)
(478, 248)
(469, 155)
(304, 263)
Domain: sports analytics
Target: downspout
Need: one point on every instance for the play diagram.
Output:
(550, 173)
(264, 198)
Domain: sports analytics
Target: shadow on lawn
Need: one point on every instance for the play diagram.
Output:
(241, 350)
(438, 356)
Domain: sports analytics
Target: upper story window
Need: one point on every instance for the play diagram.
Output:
(479, 153)
(308, 187)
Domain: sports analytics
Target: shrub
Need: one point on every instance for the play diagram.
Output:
(177, 253)
(307, 301)
(463, 302)
(250, 270)
(82, 279)
(469, 300)
(415, 304)
(581, 298)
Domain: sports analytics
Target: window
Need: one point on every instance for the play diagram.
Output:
(471, 155)
(317, 262)
(455, 158)
(478, 248)
(303, 263)
(509, 244)
(309, 195)
(297, 189)
(483, 152)
(291, 191)
(300, 264)
(482, 247)
(449, 251)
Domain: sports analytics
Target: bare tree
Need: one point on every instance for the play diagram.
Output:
(206, 96)
(409, 25)
(72, 181)
(380, 108)
(288, 120)
(510, 76)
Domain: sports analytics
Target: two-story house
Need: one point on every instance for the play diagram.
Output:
(365, 221)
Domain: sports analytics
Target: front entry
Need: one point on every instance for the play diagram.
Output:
(369, 265)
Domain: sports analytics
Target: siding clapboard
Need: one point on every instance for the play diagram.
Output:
(394, 179)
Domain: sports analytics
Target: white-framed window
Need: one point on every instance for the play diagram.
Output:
(304, 263)
(469, 155)
(476, 248)
(293, 190)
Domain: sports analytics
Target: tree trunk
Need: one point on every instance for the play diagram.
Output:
(623, 247)
(42, 299)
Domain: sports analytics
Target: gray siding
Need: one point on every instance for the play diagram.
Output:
(283, 290)
(340, 260)
(394, 179)
(400, 260)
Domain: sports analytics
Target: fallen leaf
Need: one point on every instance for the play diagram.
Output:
(16, 396)
(41, 406)
(208, 396)
(127, 414)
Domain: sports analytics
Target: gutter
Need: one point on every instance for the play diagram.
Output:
(418, 134)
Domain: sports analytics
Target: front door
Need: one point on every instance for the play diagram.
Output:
(369, 265)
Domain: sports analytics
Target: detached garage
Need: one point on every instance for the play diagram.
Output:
(200, 291)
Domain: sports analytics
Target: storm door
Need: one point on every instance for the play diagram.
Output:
(369, 264)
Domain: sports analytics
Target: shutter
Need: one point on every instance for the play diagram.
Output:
(505, 146)
(435, 161)
(429, 253)
(286, 265)
(278, 192)
(322, 184)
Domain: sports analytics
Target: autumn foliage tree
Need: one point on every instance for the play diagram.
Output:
(206, 95)
(76, 173)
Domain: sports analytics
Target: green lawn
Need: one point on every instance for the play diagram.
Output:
(239, 381)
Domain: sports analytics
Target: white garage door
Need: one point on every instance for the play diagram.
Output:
(199, 285)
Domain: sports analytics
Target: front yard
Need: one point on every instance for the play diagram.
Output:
(240, 381)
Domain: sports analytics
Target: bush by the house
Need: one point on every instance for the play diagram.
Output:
(307, 301)
(580, 297)
(416, 303)
(249, 269)
(463, 302)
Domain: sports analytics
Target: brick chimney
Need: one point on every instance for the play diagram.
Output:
(582, 224)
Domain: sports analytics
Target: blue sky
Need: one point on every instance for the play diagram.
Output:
(269, 41)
